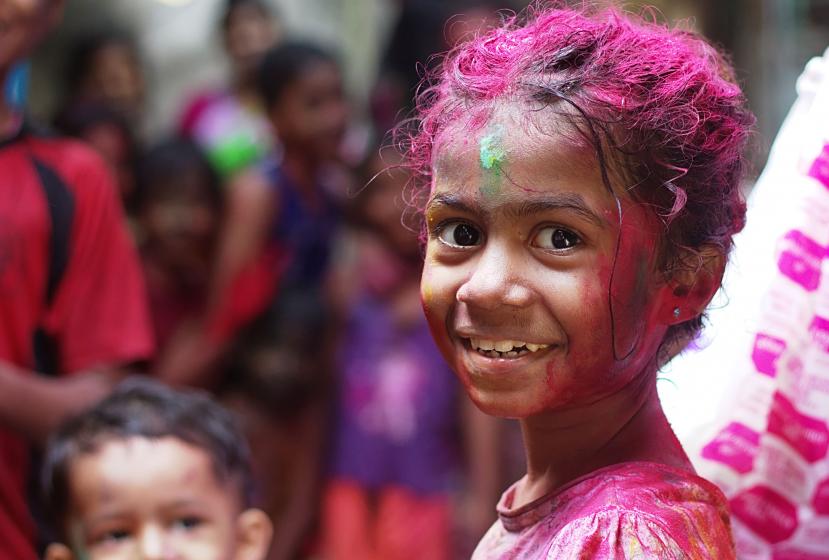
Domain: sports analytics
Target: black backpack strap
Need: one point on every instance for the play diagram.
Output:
(61, 206)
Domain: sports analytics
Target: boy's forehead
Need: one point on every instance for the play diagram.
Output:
(142, 469)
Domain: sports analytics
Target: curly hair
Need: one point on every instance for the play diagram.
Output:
(659, 106)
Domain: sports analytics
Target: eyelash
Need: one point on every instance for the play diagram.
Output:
(556, 228)
(440, 230)
(110, 536)
(188, 523)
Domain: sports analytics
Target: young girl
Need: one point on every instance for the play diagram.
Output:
(583, 172)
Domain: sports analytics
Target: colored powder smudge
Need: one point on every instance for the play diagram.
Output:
(425, 295)
(492, 156)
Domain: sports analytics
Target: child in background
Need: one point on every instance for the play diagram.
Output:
(178, 204)
(583, 174)
(396, 449)
(152, 473)
(275, 385)
(231, 125)
(274, 247)
(105, 67)
(108, 132)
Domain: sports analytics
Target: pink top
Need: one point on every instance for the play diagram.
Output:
(629, 510)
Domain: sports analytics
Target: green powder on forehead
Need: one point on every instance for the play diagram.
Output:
(492, 154)
(493, 157)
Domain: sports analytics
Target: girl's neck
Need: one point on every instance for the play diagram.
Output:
(626, 426)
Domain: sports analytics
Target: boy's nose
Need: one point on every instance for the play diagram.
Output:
(152, 545)
(496, 280)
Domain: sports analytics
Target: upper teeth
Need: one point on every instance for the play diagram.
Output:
(505, 345)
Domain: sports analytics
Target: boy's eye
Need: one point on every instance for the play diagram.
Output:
(460, 234)
(556, 239)
(187, 522)
(112, 536)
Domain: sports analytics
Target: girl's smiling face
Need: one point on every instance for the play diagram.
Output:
(535, 294)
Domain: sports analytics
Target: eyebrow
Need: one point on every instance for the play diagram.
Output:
(568, 201)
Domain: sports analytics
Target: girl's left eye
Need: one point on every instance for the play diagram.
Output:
(556, 239)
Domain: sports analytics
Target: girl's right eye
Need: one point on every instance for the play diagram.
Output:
(460, 234)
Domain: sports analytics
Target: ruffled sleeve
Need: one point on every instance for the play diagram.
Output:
(625, 535)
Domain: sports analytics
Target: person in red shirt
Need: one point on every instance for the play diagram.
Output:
(72, 299)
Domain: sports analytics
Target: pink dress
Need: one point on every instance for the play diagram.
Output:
(630, 510)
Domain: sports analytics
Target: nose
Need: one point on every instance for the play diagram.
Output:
(151, 543)
(497, 279)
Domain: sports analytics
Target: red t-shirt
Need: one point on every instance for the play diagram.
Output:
(98, 314)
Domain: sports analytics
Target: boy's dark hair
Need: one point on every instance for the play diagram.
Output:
(283, 64)
(167, 161)
(143, 408)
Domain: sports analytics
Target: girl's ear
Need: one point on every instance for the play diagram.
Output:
(693, 283)
(56, 551)
(254, 531)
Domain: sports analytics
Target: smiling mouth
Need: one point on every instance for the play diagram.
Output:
(504, 349)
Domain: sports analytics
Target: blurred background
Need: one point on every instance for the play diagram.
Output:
(770, 41)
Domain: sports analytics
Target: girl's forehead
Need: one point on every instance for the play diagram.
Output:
(514, 147)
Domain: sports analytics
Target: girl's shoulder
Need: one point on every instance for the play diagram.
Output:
(630, 510)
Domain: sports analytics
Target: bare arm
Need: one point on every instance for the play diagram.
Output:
(250, 210)
(34, 406)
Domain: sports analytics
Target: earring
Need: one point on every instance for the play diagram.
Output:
(676, 312)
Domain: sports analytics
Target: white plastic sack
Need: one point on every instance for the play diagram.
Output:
(750, 400)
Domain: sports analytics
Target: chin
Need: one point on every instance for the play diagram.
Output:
(512, 406)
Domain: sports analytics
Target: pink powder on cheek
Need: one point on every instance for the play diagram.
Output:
(587, 339)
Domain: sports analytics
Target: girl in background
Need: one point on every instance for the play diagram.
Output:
(231, 124)
(178, 205)
(105, 67)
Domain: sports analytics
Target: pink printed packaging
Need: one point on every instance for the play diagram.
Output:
(767, 350)
(820, 501)
(735, 446)
(765, 512)
(819, 329)
(795, 554)
(808, 436)
(820, 167)
(800, 259)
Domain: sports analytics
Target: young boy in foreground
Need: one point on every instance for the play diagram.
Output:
(153, 473)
